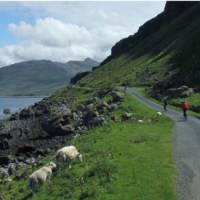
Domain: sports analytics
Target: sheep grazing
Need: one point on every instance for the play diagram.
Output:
(68, 152)
(140, 121)
(41, 175)
(159, 113)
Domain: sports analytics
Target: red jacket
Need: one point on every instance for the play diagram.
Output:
(185, 105)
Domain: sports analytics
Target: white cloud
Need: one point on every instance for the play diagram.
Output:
(65, 31)
(52, 39)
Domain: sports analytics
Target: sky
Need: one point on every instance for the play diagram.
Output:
(63, 31)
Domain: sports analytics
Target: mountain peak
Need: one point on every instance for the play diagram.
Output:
(88, 59)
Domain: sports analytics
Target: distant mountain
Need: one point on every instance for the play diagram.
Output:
(41, 77)
(73, 67)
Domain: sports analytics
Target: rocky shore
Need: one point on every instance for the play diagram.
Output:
(26, 137)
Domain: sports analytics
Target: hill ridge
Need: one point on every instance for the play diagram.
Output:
(39, 77)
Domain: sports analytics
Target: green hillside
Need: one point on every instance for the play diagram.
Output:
(168, 54)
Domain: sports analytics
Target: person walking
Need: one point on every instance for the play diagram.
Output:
(165, 103)
(185, 107)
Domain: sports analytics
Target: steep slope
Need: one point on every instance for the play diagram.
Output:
(39, 77)
(164, 51)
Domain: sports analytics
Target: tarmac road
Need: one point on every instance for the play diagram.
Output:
(186, 149)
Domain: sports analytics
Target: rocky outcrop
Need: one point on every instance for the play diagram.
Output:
(165, 89)
(29, 135)
(182, 91)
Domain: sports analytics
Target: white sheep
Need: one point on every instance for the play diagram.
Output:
(41, 175)
(140, 121)
(159, 113)
(68, 152)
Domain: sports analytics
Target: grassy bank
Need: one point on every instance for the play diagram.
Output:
(193, 100)
(122, 160)
(176, 103)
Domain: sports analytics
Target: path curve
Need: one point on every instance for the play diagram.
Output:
(186, 149)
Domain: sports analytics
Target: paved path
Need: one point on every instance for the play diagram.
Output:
(186, 148)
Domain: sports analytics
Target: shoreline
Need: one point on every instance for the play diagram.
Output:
(23, 96)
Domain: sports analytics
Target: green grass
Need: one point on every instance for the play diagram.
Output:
(194, 102)
(72, 96)
(122, 160)
(176, 103)
(143, 70)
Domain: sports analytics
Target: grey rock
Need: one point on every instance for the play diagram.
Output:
(127, 116)
(6, 111)
(182, 91)
(112, 106)
(96, 121)
(81, 107)
(14, 116)
(12, 168)
(30, 161)
(102, 107)
(90, 106)
(3, 173)
(68, 128)
(26, 149)
(117, 96)
(4, 144)
(6, 159)
(26, 113)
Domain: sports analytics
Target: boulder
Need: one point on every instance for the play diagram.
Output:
(12, 168)
(5, 136)
(102, 107)
(90, 106)
(6, 111)
(26, 113)
(25, 149)
(31, 161)
(2, 125)
(14, 116)
(66, 111)
(96, 121)
(182, 91)
(21, 159)
(66, 120)
(196, 89)
(81, 107)
(127, 116)
(40, 152)
(112, 106)
(3, 173)
(76, 116)
(89, 116)
(5, 160)
(68, 128)
(117, 96)
(4, 144)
